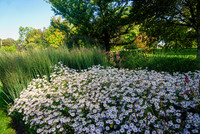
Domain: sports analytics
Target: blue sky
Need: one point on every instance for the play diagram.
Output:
(25, 13)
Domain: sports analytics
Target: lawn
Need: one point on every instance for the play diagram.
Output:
(184, 53)
(5, 120)
(5, 123)
(182, 61)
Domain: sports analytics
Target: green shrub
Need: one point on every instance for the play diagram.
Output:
(133, 59)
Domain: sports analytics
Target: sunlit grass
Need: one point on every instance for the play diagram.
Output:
(5, 123)
(191, 56)
(5, 120)
(168, 62)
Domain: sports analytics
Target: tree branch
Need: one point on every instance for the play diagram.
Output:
(180, 24)
(192, 14)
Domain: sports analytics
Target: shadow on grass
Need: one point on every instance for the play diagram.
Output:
(18, 126)
(14, 123)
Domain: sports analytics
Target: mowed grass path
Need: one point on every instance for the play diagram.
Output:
(5, 120)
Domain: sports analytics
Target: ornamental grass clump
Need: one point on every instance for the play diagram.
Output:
(18, 69)
(111, 100)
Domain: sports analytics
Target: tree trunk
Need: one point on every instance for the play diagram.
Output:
(107, 45)
(106, 40)
(198, 30)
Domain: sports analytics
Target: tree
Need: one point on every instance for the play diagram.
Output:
(31, 37)
(62, 25)
(54, 37)
(35, 36)
(153, 13)
(173, 36)
(23, 31)
(181, 37)
(9, 44)
(144, 42)
(102, 20)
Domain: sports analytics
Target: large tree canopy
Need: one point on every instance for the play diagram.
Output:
(157, 14)
(102, 20)
(107, 20)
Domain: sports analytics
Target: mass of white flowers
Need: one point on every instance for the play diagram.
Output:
(111, 100)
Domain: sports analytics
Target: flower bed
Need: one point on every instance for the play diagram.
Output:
(111, 100)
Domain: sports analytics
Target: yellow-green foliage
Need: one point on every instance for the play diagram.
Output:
(54, 37)
(9, 48)
(5, 123)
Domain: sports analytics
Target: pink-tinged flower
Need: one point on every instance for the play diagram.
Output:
(114, 64)
(117, 53)
(111, 59)
(186, 79)
(120, 64)
(107, 52)
(186, 92)
(118, 58)
(111, 54)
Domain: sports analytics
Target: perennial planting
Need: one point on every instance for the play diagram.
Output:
(114, 59)
(111, 100)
